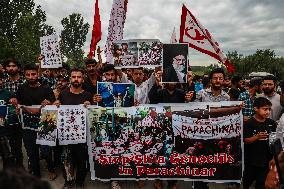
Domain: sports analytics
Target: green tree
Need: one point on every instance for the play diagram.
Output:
(21, 26)
(73, 38)
(261, 61)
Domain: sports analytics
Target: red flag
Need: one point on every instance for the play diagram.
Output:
(199, 38)
(97, 30)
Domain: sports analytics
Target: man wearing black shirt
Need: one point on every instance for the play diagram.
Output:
(257, 151)
(170, 94)
(76, 95)
(93, 73)
(33, 93)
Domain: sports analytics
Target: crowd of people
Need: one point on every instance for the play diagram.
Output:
(22, 86)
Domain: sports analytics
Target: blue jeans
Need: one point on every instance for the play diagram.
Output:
(29, 138)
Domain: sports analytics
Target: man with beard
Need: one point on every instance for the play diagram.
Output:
(29, 94)
(93, 76)
(254, 87)
(269, 91)
(12, 84)
(75, 95)
(215, 92)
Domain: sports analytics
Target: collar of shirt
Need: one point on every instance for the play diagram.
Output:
(209, 90)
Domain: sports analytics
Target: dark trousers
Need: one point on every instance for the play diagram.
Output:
(254, 173)
(79, 158)
(15, 140)
(5, 153)
(32, 149)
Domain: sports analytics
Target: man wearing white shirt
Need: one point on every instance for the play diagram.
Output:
(142, 88)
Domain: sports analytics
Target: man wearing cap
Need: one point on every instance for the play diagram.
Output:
(254, 87)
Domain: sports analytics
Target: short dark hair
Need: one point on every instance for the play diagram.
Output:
(261, 102)
(270, 77)
(256, 81)
(217, 70)
(90, 61)
(108, 67)
(14, 60)
(77, 70)
(235, 79)
(30, 67)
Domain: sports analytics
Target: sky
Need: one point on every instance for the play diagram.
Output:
(240, 25)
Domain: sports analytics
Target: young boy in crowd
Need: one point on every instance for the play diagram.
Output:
(257, 151)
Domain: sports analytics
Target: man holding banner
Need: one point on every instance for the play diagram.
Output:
(78, 153)
(29, 94)
(213, 94)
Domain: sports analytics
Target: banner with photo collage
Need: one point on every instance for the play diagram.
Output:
(181, 142)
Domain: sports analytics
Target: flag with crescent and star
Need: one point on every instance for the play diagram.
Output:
(199, 38)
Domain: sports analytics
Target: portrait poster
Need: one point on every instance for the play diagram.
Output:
(175, 63)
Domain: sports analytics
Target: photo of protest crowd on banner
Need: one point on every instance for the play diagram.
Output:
(137, 53)
(182, 142)
(127, 132)
(175, 63)
(116, 94)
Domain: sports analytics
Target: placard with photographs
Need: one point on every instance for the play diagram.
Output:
(49, 46)
(150, 53)
(47, 131)
(137, 53)
(71, 124)
(125, 54)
